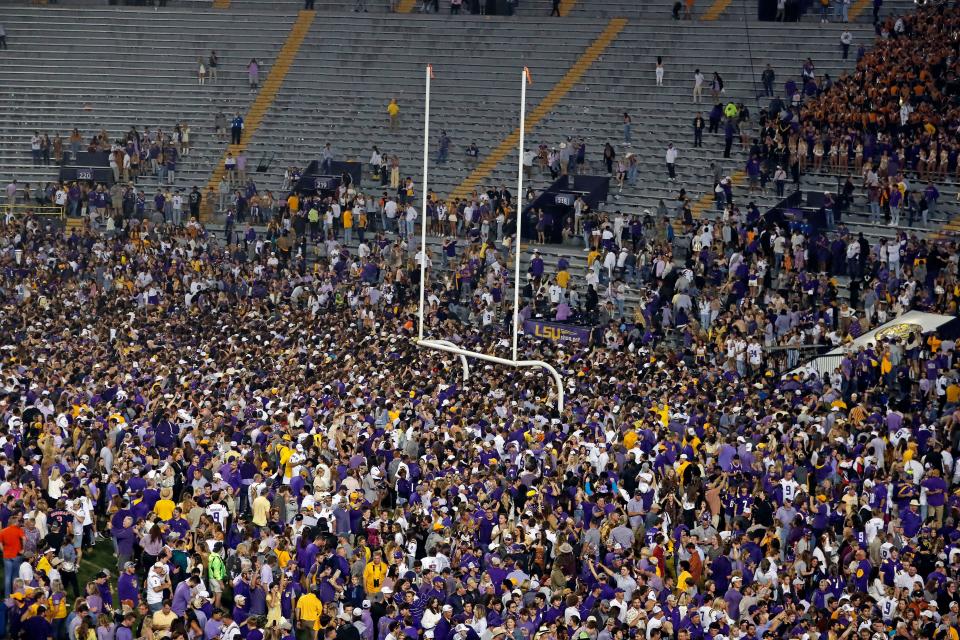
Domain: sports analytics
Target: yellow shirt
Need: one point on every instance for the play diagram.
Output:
(683, 580)
(563, 278)
(629, 439)
(348, 219)
(953, 393)
(393, 109)
(283, 558)
(373, 576)
(285, 453)
(163, 620)
(164, 509)
(57, 610)
(309, 608)
(664, 415)
(261, 510)
(886, 366)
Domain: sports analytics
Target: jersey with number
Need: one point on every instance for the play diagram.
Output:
(887, 608)
(218, 513)
(789, 488)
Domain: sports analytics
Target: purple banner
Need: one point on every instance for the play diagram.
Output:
(556, 332)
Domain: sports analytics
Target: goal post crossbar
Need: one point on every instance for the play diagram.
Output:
(449, 347)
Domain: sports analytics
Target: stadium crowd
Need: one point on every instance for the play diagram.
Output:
(893, 122)
(243, 425)
(270, 455)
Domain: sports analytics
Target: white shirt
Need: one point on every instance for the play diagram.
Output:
(905, 581)
(26, 572)
(671, 155)
(871, 528)
(231, 632)
(153, 581)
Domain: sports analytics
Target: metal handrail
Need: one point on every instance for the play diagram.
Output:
(37, 210)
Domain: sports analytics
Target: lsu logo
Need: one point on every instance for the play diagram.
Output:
(556, 334)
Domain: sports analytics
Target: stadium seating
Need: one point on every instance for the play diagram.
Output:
(350, 65)
(114, 68)
(622, 79)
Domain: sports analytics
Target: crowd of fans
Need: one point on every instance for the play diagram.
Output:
(270, 454)
(893, 123)
(134, 154)
(243, 424)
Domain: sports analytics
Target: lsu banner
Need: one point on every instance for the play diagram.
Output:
(558, 332)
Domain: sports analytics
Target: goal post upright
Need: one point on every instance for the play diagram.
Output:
(446, 345)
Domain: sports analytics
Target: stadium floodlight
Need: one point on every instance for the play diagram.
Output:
(446, 345)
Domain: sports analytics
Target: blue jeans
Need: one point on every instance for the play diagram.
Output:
(11, 569)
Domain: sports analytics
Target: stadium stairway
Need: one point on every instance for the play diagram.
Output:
(350, 67)
(118, 67)
(265, 97)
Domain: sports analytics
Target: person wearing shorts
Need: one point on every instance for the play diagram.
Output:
(216, 572)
